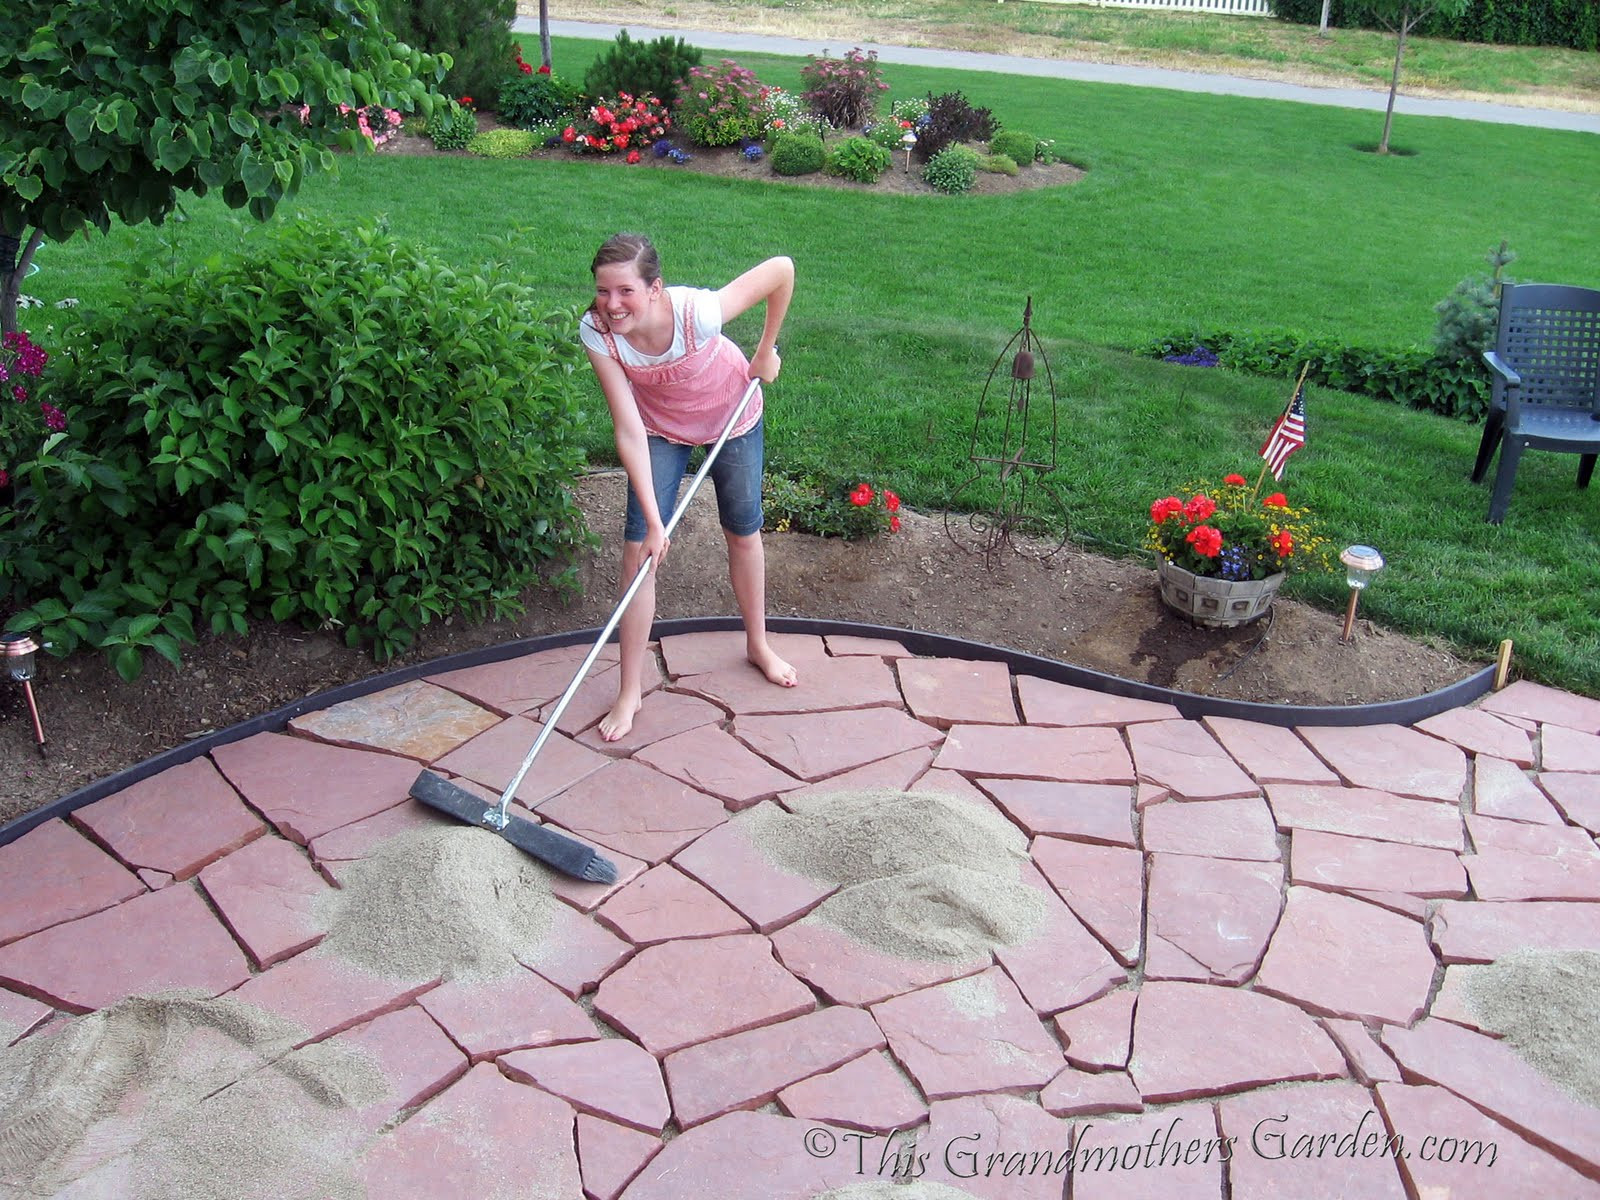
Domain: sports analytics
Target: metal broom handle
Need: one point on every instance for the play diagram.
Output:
(499, 819)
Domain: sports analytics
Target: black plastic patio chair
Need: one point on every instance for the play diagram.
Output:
(1546, 365)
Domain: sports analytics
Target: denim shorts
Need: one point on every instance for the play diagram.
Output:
(736, 475)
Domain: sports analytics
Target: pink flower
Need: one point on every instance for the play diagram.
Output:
(54, 418)
(1169, 506)
(633, 156)
(1199, 508)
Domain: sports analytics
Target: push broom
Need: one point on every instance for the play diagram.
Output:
(565, 854)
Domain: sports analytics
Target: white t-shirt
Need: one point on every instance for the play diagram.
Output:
(707, 325)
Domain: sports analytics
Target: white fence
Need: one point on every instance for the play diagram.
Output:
(1242, 8)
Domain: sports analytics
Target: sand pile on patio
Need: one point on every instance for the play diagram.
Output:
(923, 875)
(451, 902)
(182, 1095)
(1546, 1004)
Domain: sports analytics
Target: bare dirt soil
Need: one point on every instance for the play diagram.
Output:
(1074, 607)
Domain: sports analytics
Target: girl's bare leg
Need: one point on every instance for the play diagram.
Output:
(634, 635)
(747, 568)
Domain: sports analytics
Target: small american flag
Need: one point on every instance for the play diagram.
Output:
(1288, 435)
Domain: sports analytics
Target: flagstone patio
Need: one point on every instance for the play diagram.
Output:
(1254, 935)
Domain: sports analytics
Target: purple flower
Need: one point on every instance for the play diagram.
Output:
(1200, 356)
(54, 418)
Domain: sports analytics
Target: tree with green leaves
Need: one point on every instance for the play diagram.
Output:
(1400, 17)
(116, 110)
(476, 34)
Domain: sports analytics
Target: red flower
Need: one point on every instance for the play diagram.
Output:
(1199, 508)
(5, 478)
(569, 135)
(1235, 480)
(891, 501)
(1282, 543)
(1276, 500)
(466, 100)
(1169, 506)
(894, 522)
(1207, 542)
(621, 140)
(862, 496)
(633, 156)
(544, 69)
(526, 69)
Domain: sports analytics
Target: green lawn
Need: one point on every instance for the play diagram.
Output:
(1196, 210)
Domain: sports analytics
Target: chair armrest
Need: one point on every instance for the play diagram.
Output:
(1501, 368)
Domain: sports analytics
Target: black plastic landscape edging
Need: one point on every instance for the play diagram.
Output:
(1190, 705)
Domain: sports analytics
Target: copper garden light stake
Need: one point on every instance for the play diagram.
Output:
(17, 651)
(1361, 563)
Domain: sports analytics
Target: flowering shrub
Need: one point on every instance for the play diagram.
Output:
(26, 419)
(787, 113)
(1227, 533)
(842, 508)
(375, 123)
(843, 91)
(720, 106)
(623, 123)
(536, 98)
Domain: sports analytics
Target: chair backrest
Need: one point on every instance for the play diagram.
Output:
(1550, 335)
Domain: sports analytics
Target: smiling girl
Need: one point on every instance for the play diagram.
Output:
(671, 380)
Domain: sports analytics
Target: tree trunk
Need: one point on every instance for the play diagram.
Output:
(544, 32)
(1323, 28)
(13, 268)
(1394, 80)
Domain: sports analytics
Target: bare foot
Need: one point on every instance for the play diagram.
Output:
(618, 723)
(774, 668)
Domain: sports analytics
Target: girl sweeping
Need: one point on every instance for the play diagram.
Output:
(672, 380)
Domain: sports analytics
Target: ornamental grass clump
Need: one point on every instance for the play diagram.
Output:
(1228, 532)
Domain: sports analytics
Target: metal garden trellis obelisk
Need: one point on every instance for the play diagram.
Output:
(1010, 467)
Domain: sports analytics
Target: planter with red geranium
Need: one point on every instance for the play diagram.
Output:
(1222, 553)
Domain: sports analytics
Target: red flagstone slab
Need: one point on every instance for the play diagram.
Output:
(1407, 905)
(353, 842)
(1501, 789)
(1104, 887)
(155, 942)
(1269, 754)
(1239, 828)
(817, 745)
(825, 683)
(1082, 1093)
(415, 719)
(847, 972)
(1494, 1078)
(482, 1136)
(712, 761)
(176, 821)
(1181, 1146)
(1146, 793)
(1487, 833)
(840, 645)
(577, 953)
(1369, 1062)
(416, 1058)
(1489, 1160)
(1210, 918)
(19, 1015)
(951, 784)
(609, 1156)
(1182, 757)
(155, 880)
(1479, 732)
(1045, 702)
(1193, 1039)
(663, 904)
(1391, 757)
(1311, 1139)
(1512, 875)
(1344, 958)
(633, 809)
(1331, 860)
(306, 788)
(950, 691)
(267, 895)
(746, 1070)
(53, 874)
(899, 771)
(487, 1017)
(1472, 931)
(867, 1093)
(996, 1147)
(663, 714)
(749, 1156)
(1098, 1035)
(1545, 704)
(1563, 749)
(610, 1078)
(971, 1035)
(1577, 796)
(325, 995)
(1088, 812)
(677, 994)
(728, 862)
(495, 755)
(1061, 964)
(701, 653)
(1360, 812)
(1453, 1001)
(593, 700)
(1088, 755)
(515, 685)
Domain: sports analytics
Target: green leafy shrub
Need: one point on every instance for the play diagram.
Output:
(839, 507)
(884, 133)
(858, 158)
(529, 100)
(1019, 147)
(953, 169)
(998, 164)
(452, 126)
(950, 120)
(476, 34)
(843, 91)
(503, 143)
(1470, 315)
(637, 68)
(721, 106)
(336, 429)
(797, 154)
